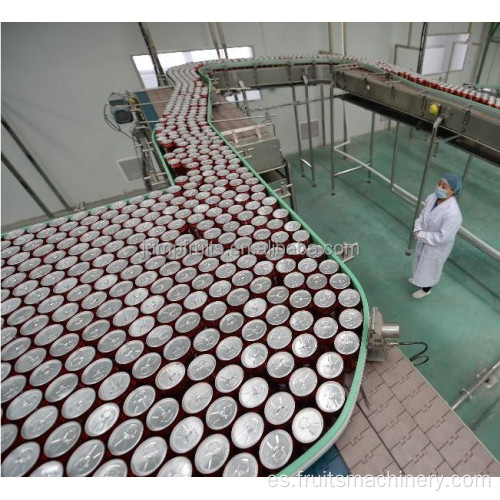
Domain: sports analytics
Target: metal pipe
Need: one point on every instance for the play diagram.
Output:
(148, 39)
(241, 118)
(394, 155)
(467, 393)
(435, 128)
(295, 109)
(38, 168)
(330, 38)
(26, 186)
(308, 111)
(349, 170)
(322, 98)
(244, 94)
(332, 138)
(491, 32)
(423, 41)
(222, 39)
(464, 176)
(214, 40)
(372, 141)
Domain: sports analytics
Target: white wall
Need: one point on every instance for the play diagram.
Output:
(56, 78)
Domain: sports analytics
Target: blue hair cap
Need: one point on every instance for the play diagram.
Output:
(454, 181)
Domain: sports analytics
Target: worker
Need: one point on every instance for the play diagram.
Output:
(435, 230)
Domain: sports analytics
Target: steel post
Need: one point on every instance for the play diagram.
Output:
(309, 129)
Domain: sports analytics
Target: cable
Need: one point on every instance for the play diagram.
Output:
(419, 354)
(112, 124)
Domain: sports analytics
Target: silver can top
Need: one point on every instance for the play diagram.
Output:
(162, 414)
(304, 345)
(139, 401)
(303, 382)
(78, 403)
(129, 352)
(65, 344)
(330, 365)
(120, 289)
(61, 387)
(186, 435)
(330, 397)
(109, 308)
(49, 469)
(170, 375)
(301, 321)
(212, 454)
(197, 397)
(201, 367)
(9, 434)
(141, 326)
(114, 386)
(37, 295)
(12, 386)
(136, 296)
(349, 297)
(346, 343)
(48, 335)
(111, 341)
(6, 369)
(229, 378)
(79, 321)
(80, 359)
(176, 348)
(125, 316)
(85, 459)
(206, 340)
(351, 319)
(254, 330)
(276, 449)
(45, 372)
(247, 430)
(51, 304)
(146, 365)
(62, 439)
(15, 349)
(242, 465)
(325, 328)
(125, 437)
(254, 355)
(221, 413)
(340, 281)
(39, 422)
(102, 419)
(113, 468)
(21, 460)
(177, 467)
(159, 336)
(307, 425)
(279, 337)
(280, 364)
(95, 330)
(152, 304)
(229, 348)
(148, 456)
(279, 408)
(253, 392)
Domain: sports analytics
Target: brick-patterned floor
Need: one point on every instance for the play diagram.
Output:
(408, 428)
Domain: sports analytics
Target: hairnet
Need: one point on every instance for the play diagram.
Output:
(454, 181)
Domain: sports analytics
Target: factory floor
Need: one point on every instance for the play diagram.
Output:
(460, 319)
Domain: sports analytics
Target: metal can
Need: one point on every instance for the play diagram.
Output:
(351, 319)
(324, 301)
(171, 379)
(9, 435)
(300, 299)
(178, 349)
(177, 467)
(307, 425)
(253, 393)
(247, 431)
(202, 368)
(61, 388)
(254, 357)
(340, 281)
(115, 387)
(212, 454)
(229, 380)
(111, 341)
(221, 414)
(347, 345)
(39, 423)
(139, 401)
(279, 409)
(276, 449)
(330, 397)
(101, 420)
(86, 458)
(162, 414)
(60, 442)
(20, 461)
(349, 298)
(79, 404)
(186, 435)
(330, 366)
(112, 468)
(302, 383)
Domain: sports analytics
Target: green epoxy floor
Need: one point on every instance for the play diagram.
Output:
(460, 319)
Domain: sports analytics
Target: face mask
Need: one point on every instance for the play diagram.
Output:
(440, 193)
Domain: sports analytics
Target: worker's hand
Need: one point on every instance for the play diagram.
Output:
(415, 234)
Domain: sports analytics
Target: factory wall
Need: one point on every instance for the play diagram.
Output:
(56, 78)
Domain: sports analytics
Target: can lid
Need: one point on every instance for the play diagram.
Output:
(141, 326)
(276, 449)
(129, 352)
(139, 401)
(253, 392)
(242, 465)
(114, 386)
(79, 321)
(80, 359)
(111, 341)
(206, 340)
(78, 403)
(197, 397)
(24, 404)
(316, 281)
(170, 375)
(307, 265)
(112, 468)
(307, 425)
(176, 348)
(125, 316)
(45, 372)
(21, 460)
(254, 355)
(177, 467)
(37, 295)
(39, 422)
(325, 328)
(65, 344)
(301, 321)
(102, 419)
(238, 297)
(212, 454)
(340, 281)
(10, 305)
(324, 299)
(186, 434)
(349, 297)
(146, 366)
(303, 382)
(304, 345)
(330, 397)
(247, 430)
(61, 387)
(12, 386)
(279, 408)
(85, 458)
(201, 367)
(9, 433)
(346, 343)
(97, 371)
(125, 437)
(62, 439)
(20, 315)
(95, 330)
(351, 319)
(330, 365)
(219, 289)
(231, 323)
(255, 308)
(162, 285)
(229, 378)
(6, 368)
(221, 413)
(30, 360)
(51, 304)
(162, 414)
(229, 348)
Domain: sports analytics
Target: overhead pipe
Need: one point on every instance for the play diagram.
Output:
(33, 161)
(222, 39)
(148, 39)
(214, 40)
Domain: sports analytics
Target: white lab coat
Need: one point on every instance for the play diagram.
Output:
(437, 230)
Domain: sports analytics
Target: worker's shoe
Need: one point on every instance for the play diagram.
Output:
(420, 294)
(410, 280)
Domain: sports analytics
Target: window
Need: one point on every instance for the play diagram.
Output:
(445, 53)
(144, 65)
